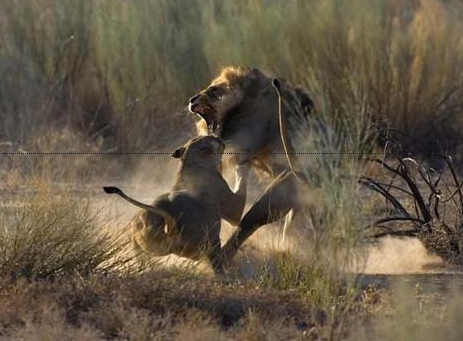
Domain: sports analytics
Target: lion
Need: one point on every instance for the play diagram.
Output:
(186, 221)
(257, 118)
(241, 107)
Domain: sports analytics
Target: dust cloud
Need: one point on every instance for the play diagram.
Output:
(401, 256)
(390, 256)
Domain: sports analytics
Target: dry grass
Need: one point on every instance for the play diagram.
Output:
(167, 306)
(50, 232)
(152, 306)
(408, 313)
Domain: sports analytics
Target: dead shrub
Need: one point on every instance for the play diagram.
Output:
(423, 204)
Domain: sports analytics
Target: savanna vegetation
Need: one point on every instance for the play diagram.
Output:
(114, 77)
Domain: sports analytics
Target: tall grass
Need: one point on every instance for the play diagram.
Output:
(401, 62)
(123, 71)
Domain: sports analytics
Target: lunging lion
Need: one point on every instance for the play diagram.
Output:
(186, 221)
(257, 117)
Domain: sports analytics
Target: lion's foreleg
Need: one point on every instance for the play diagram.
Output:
(277, 200)
(232, 202)
(241, 187)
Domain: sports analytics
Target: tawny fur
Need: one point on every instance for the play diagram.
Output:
(247, 112)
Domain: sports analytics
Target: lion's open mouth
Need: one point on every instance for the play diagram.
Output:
(209, 116)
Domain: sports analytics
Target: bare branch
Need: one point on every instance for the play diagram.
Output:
(455, 178)
(392, 219)
(404, 173)
(378, 188)
(402, 233)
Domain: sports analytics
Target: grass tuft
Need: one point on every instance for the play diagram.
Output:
(53, 232)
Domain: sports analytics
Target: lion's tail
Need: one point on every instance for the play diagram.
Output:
(291, 157)
(171, 224)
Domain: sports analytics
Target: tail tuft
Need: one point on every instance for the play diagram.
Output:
(111, 190)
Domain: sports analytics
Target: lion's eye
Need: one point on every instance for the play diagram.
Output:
(215, 92)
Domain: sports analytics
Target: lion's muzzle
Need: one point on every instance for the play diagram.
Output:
(205, 112)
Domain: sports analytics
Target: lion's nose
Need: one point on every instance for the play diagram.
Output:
(193, 99)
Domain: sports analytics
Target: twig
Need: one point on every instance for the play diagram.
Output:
(404, 171)
(402, 233)
(378, 188)
(391, 219)
(457, 184)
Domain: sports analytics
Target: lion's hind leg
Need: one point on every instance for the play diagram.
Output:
(288, 223)
(277, 200)
(216, 258)
(140, 255)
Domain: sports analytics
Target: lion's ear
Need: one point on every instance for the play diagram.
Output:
(178, 153)
(276, 83)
